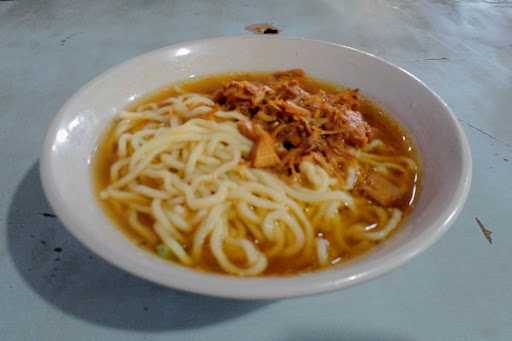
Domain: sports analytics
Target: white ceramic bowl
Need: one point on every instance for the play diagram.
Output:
(74, 132)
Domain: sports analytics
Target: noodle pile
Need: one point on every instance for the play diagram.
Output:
(181, 177)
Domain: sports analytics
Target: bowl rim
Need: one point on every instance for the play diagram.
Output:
(282, 287)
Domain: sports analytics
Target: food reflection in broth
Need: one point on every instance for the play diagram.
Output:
(256, 173)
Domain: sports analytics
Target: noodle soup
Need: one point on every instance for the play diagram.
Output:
(256, 173)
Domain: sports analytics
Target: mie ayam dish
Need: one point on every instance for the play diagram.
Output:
(256, 173)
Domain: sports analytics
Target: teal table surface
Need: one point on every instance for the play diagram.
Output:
(52, 288)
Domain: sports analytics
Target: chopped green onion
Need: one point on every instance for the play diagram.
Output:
(164, 251)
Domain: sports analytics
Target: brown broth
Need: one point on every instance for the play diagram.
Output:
(388, 130)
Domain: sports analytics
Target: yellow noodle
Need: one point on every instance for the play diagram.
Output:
(198, 194)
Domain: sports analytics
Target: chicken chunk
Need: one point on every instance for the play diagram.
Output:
(379, 189)
(263, 153)
(358, 130)
(242, 91)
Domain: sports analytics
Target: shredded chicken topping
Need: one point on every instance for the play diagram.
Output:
(288, 123)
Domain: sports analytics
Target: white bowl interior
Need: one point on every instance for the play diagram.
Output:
(74, 133)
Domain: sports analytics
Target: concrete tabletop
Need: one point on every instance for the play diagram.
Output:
(52, 288)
